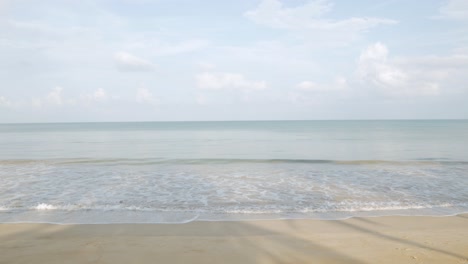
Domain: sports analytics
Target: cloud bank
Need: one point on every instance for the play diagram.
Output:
(128, 62)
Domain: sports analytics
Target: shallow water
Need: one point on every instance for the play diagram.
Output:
(181, 171)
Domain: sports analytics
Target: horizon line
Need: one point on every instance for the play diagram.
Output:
(259, 120)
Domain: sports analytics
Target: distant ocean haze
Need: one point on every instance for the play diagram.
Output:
(155, 172)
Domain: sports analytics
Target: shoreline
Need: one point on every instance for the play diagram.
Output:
(379, 239)
(97, 217)
(195, 220)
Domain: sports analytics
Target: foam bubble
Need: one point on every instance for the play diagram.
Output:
(44, 206)
(228, 191)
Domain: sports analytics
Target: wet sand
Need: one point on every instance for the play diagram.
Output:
(357, 240)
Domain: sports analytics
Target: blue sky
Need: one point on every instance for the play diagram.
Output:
(144, 60)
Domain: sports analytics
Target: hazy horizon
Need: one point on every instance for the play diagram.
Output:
(263, 120)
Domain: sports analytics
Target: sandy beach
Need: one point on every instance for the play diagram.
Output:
(357, 240)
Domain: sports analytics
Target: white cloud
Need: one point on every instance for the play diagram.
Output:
(128, 62)
(309, 17)
(339, 84)
(455, 9)
(144, 95)
(55, 96)
(272, 13)
(307, 86)
(99, 95)
(4, 102)
(375, 69)
(225, 80)
(320, 93)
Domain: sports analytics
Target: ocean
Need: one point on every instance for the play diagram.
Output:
(176, 172)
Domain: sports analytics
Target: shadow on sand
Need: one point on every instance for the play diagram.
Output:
(288, 241)
(196, 242)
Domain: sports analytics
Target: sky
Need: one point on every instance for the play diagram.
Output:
(187, 60)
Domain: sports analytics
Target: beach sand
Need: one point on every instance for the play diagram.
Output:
(357, 240)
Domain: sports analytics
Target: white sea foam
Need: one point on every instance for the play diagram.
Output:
(180, 192)
(44, 206)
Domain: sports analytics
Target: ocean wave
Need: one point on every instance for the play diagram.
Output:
(44, 206)
(330, 207)
(155, 161)
(121, 213)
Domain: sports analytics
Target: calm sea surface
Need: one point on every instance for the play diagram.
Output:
(173, 172)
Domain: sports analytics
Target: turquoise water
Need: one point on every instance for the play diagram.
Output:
(182, 171)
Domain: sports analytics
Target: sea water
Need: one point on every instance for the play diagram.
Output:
(175, 172)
